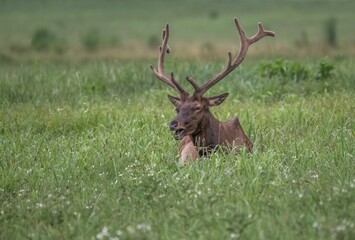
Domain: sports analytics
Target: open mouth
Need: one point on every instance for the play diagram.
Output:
(178, 134)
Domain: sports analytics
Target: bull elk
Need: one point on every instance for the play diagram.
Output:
(196, 127)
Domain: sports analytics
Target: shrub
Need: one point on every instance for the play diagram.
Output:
(43, 39)
(91, 39)
(324, 69)
(285, 69)
(296, 71)
(330, 32)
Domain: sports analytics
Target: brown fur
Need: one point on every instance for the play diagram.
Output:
(216, 133)
(208, 133)
(187, 150)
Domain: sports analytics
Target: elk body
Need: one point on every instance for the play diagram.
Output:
(194, 125)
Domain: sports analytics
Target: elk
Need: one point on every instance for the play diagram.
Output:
(199, 131)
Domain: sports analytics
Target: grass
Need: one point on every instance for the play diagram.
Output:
(85, 151)
(124, 28)
(86, 154)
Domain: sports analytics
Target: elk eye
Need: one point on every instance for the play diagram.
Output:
(198, 108)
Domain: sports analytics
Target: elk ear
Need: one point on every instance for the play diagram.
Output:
(175, 100)
(215, 101)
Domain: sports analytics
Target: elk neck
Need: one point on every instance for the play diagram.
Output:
(209, 133)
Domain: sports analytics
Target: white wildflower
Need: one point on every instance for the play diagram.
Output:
(103, 233)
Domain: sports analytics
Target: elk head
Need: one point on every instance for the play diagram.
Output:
(193, 110)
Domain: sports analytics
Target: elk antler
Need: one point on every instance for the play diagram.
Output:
(245, 42)
(164, 48)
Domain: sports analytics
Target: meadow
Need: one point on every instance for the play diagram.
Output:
(85, 151)
(80, 30)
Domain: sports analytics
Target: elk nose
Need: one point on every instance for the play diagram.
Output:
(173, 125)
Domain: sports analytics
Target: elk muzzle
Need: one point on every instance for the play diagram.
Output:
(179, 130)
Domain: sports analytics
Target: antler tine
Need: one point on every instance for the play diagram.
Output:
(178, 87)
(164, 48)
(260, 34)
(193, 83)
(245, 42)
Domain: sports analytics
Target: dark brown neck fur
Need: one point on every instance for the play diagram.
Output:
(213, 133)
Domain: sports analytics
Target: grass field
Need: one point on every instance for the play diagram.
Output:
(131, 29)
(85, 151)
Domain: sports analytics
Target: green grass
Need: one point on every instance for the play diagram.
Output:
(124, 28)
(85, 153)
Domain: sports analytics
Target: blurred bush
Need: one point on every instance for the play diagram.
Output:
(324, 69)
(296, 71)
(45, 40)
(91, 39)
(285, 69)
(330, 32)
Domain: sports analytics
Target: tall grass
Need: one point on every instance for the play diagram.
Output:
(86, 154)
